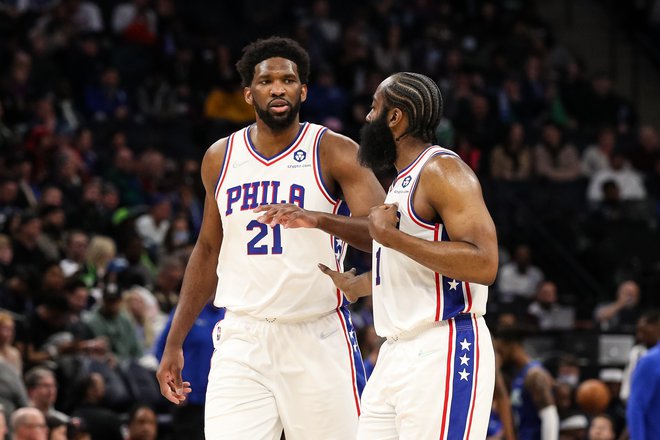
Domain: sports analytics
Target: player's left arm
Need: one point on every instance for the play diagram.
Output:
(340, 169)
(449, 189)
(539, 385)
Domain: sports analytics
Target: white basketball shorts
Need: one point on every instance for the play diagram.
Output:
(304, 378)
(436, 383)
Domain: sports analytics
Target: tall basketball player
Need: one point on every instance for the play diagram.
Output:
(434, 252)
(286, 356)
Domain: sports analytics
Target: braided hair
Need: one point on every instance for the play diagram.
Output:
(418, 96)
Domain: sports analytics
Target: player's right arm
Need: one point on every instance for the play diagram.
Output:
(539, 385)
(199, 280)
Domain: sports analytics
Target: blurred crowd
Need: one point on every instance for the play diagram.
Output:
(106, 109)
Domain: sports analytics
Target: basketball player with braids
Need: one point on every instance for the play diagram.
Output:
(434, 253)
(286, 356)
(532, 400)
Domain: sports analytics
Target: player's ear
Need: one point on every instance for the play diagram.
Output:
(247, 94)
(395, 117)
(303, 93)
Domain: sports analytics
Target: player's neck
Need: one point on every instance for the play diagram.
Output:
(270, 142)
(407, 150)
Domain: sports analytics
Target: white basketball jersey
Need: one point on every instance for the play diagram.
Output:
(407, 294)
(272, 272)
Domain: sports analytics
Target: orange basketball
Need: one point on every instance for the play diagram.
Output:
(593, 396)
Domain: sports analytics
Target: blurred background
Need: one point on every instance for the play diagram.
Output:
(106, 109)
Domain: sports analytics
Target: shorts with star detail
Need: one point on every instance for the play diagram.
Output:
(437, 384)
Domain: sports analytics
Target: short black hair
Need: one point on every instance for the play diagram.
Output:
(512, 335)
(419, 97)
(272, 47)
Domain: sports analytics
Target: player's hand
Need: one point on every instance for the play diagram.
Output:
(383, 221)
(171, 384)
(352, 285)
(287, 215)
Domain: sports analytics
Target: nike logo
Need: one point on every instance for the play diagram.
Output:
(239, 164)
(325, 335)
(423, 353)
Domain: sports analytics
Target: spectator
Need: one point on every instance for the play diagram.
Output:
(555, 159)
(75, 251)
(142, 424)
(111, 322)
(596, 157)
(136, 22)
(100, 253)
(601, 428)
(646, 154)
(42, 390)
(519, 279)
(168, 282)
(573, 427)
(153, 226)
(605, 107)
(107, 100)
(12, 391)
(547, 313)
(8, 353)
(46, 334)
(628, 180)
(623, 313)
(103, 424)
(56, 429)
(28, 424)
(616, 410)
(512, 161)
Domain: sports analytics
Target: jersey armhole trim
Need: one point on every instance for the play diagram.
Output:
(411, 207)
(316, 160)
(225, 165)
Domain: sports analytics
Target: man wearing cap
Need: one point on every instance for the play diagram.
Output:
(109, 321)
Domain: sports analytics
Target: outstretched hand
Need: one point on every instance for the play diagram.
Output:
(352, 285)
(172, 386)
(287, 215)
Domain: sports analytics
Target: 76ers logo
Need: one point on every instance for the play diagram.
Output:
(299, 155)
(406, 181)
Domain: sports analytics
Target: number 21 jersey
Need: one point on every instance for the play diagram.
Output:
(271, 272)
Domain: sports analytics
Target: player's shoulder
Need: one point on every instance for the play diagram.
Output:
(336, 141)
(214, 158)
(444, 164)
(537, 374)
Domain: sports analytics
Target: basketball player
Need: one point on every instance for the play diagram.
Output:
(434, 252)
(286, 356)
(533, 403)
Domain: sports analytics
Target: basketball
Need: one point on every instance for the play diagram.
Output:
(592, 396)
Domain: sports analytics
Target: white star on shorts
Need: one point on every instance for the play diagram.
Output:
(464, 359)
(453, 284)
(465, 345)
(464, 374)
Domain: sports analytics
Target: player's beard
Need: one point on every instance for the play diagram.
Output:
(377, 146)
(278, 122)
